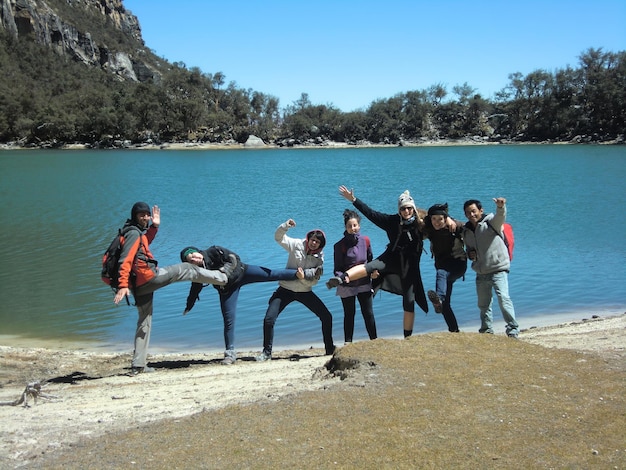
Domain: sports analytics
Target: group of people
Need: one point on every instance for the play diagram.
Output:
(397, 269)
(357, 274)
(140, 274)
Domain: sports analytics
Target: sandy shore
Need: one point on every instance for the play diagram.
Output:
(90, 394)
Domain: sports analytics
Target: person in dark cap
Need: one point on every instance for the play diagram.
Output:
(307, 256)
(140, 275)
(446, 245)
(214, 257)
(398, 267)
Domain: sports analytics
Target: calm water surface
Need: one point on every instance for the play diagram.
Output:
(61, 208)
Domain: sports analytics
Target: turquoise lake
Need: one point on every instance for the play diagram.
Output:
(60, 209)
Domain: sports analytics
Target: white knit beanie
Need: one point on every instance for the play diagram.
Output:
(405, 200)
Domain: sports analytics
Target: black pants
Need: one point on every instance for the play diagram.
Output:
(349, 312)
(283, 297)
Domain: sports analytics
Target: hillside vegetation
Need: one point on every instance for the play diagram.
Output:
(50, 98)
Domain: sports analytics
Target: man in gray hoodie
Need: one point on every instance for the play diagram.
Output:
(490, 259)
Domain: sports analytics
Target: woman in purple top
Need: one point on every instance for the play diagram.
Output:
(352, 250)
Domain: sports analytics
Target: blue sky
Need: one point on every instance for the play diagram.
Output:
(349, 53)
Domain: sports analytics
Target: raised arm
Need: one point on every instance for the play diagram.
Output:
(500, 215)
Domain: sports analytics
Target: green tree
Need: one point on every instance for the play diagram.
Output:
(217, 80)
(415, 111)
(383, 117)
(352, 127)
(603, 95)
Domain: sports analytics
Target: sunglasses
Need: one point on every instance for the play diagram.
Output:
(406, 208)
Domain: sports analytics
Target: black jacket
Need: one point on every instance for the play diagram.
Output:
(214, 258)
(403, 251)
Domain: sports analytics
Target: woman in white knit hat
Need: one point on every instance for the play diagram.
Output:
(398, 267)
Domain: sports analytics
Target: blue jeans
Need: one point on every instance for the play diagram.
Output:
(229, 296)
(499, 283)
(443, 286)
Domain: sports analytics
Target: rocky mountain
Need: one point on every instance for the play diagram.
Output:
(98, 33)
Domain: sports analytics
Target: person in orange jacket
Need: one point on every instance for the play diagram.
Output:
(140, 275)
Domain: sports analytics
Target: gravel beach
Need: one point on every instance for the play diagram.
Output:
(89, 398)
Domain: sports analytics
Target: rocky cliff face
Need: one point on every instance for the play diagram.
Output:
(63, 33)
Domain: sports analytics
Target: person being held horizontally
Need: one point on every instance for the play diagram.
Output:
(398, 266)
(450, 259)
(490, 260)
(140, 275)
(307, 257)
(354, 249)
(214, 257)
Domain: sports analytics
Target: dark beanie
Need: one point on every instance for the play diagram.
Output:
(438, 209)
(187, 251)
(139, 207)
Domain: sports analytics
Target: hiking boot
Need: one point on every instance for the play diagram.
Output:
(263, 357)
(434, 298)
(334, 282)
(141, 370)
(229, 267)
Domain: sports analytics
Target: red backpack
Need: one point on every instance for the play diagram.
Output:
(507, 237)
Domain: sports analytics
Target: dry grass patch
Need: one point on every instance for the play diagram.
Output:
(432, 401)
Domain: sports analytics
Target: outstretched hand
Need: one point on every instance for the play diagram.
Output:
(347, 193)
(156, 216)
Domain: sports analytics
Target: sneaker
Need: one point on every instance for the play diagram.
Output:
(513, 335)
(333, 282)
(434, 298)
(229, 267)
(228, 361)
(263, 357)
(331, 351)
(141, 370)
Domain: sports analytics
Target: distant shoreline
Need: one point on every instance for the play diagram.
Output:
(468, 141)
